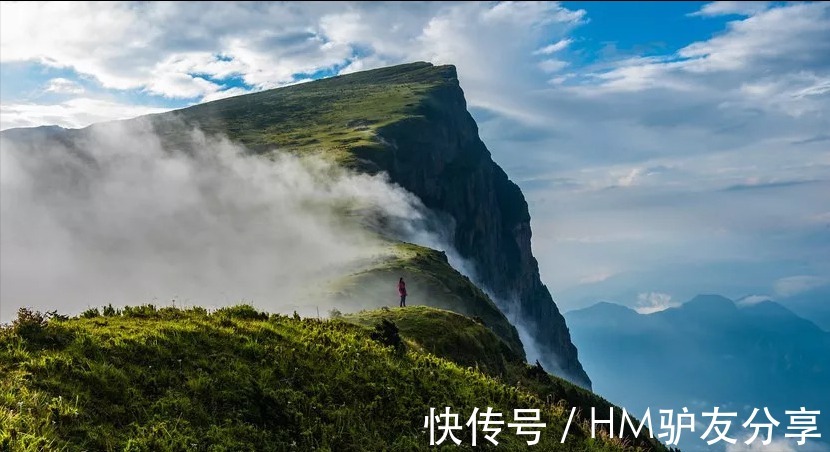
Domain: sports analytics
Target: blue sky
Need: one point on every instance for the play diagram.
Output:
(666, 149)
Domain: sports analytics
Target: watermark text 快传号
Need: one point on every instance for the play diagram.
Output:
(486, 425)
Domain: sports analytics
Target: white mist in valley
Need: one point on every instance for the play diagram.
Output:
(116, 218)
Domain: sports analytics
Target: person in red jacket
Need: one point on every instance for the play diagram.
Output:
(402, 291)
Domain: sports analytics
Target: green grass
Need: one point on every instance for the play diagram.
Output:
(462, 340)
(468, 343)
(237, 379)
(431, 281)
(332, 116)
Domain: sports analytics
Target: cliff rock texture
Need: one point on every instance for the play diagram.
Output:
(439, 156)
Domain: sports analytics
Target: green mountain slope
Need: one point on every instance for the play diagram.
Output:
(411, 122)
(335, 116)
(432, 282)
(237, 379)
(466, 342)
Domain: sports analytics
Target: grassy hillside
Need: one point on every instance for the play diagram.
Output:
(463, 340)
(469, 344)
(333, 115)
(237, 379)
(431, 281)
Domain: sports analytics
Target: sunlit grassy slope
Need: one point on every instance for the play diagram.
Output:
(237, 379)
(333, 116)
(432, 281)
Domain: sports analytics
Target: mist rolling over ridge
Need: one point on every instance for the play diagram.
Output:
(116, 218)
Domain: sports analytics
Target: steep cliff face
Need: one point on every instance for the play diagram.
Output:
(438, 155)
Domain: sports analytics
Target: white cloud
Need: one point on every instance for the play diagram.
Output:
(764, 37)
(596, 277)
(630, 178)
(748, 104)
(230, 92)
(473, 36)
(63, 86)
(552, 65)
(182, 50)
(651, 302)
(794, 285)
(553, 48)
(752, 299)
(172, 84)
(720, 8)
(73, 113)
(163, 46)
(776, 47)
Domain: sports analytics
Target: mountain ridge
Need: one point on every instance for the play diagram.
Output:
(148, 378)
(706, 351)
(411, 122)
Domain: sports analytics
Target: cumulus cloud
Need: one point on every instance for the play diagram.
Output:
(177, 50)
(120, 219)
(651, 302)
(189, 50)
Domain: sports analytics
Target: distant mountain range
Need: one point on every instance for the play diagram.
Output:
(813, 305)
(709, 351)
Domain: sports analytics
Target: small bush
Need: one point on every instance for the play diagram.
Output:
(170, 313)
(109, 311)
(386, 332)
(91, 313)
(34, 327)
(198, 310)
(335, 313)
(243, 312)
(143, 311)
(29, 324)
(53, 315)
